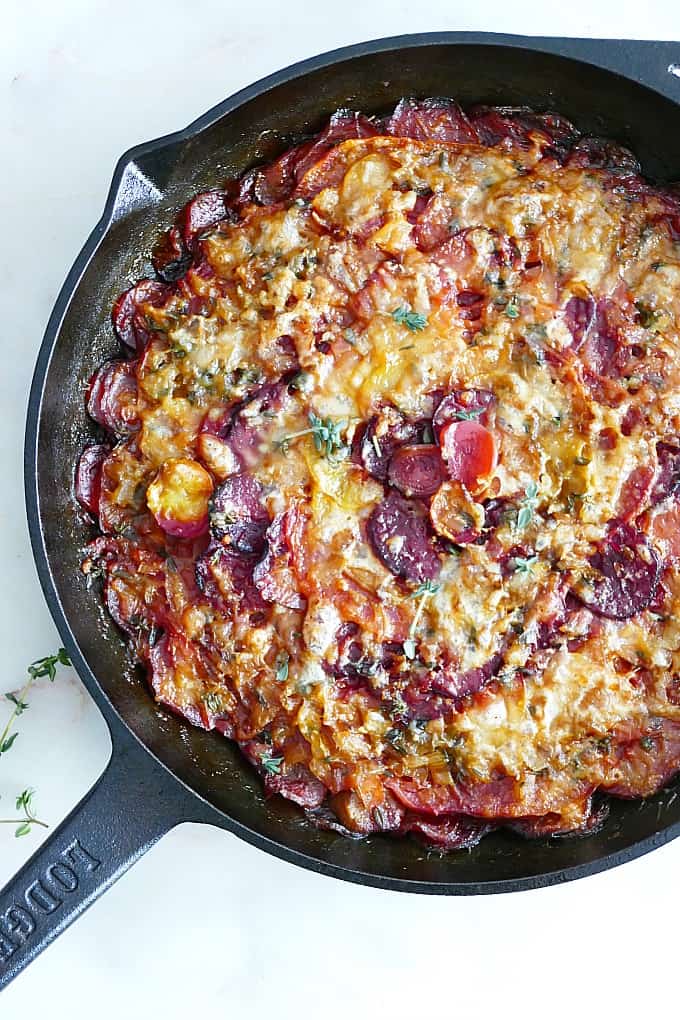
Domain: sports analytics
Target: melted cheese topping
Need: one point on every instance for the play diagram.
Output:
(523, 236)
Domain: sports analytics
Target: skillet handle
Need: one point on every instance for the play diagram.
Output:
(133, 804)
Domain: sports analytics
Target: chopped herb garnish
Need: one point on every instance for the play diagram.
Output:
(324, 431)
(422, 592)
(270, 763)
(524, 565)
(412, 320)
(281, 668)
(300, 381)
(512, 307)
(573, 498)
(581, 461)
(213, 701)
(467, 414)
(527, 506)
(648, 317)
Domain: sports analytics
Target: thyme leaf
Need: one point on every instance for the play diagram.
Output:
(414, 321)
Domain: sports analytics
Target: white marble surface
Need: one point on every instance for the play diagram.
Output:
(204, 920)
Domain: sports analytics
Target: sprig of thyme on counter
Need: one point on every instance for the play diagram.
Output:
(38, 669)
(25, 823)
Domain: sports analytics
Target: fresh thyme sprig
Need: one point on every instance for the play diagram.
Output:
(414, 321)
(40, 668)
(271, 763)
(422, 592)
(324, 431)
(24, 802)
(527, 506)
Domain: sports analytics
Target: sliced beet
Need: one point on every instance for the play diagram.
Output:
(601, 344)
(636, 491)
(89, 476)
(343, 125)
(237, 514)
(579, 316)
(460, 685)
(296, 783)
(201, 213)
(431, 120)
(495, 124)
(170, 258)
(470, 453)
(603, 154)
(417, 470)
(221, 573)
(432, 219)
(274, 576)
(667, 482)
(452, 832)
(461, 404)
(626, 574)
(129, 322)
(380, 439)
(112, 397)
(278, 181)
(250, 421)
(400, 534)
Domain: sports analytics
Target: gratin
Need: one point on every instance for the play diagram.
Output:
(388, 488)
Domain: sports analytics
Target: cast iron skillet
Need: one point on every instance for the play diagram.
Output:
(161, 771)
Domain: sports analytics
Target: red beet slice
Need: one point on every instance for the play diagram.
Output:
(459, 685)
(274, 576)
(278, 181)
(219, 572)
(112, 397)
(296, 783)
(463, 404)
(251, 421)
(431, 120)
(603, 154)
(579, 316)
(494, 124)
(417, 470)
(380, 439)
(237, 514)
(432, 218)
(667, 481)
(627, 575)
(89, 476)
(470, 452)
(635, 491)
(453, 832)
(201, 213)
(170, 258)
(129, 322)
(399, 532)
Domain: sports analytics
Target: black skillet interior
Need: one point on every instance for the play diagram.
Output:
(156, 181)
